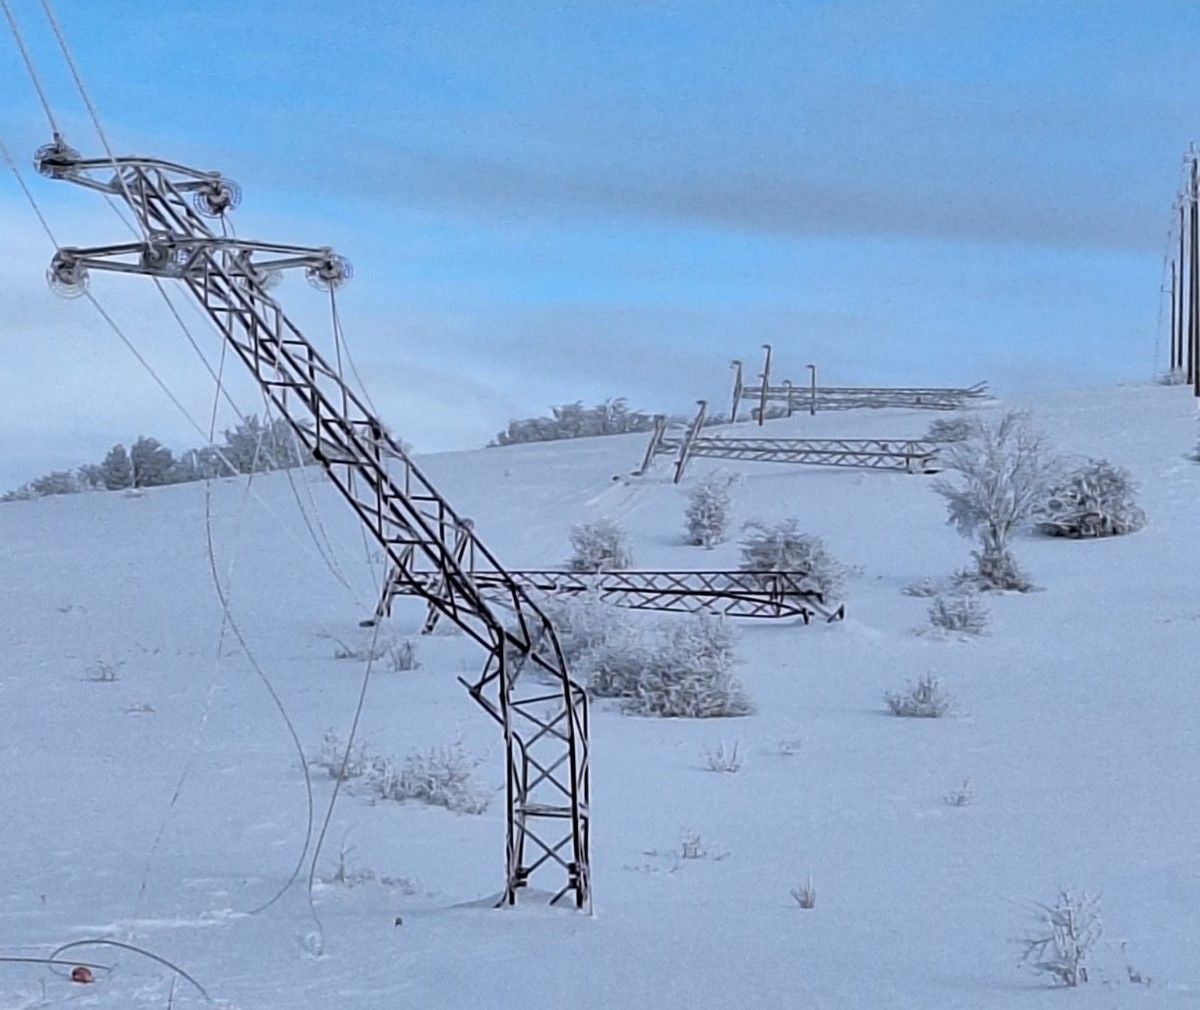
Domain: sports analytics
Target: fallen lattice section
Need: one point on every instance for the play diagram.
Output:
(811, 397)
(906, 455)
(765, 594)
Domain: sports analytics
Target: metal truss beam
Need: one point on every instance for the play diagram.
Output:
(545, 729)
(771, 595)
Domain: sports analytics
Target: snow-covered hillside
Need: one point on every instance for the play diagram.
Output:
(160, 807)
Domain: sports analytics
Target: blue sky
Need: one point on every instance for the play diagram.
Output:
(552, 201)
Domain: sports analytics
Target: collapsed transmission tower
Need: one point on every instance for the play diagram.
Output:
(545, 728)
(910, 455)
(814, 398)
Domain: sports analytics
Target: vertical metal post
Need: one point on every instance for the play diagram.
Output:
(1179, 289)
(736, 365)
(1194, 277)
(1174, 367)
(787, 385)
(766, 376)
(812, 403)
(685, 447)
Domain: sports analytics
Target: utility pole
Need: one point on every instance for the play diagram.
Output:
(1174, 329)
(1194, 278)
(1179, 287)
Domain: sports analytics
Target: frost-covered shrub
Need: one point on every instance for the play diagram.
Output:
(924, 588)
(443, 776)
(675, 669)
(402, 656)
(371, 649)
(691, 678)
(1062, 937)
(1004, 470)
(102, 671)
(1096, 500)
(333, 753)
(963, 796)
(806, 894)
(950, 429)
(784, 548)
(599, 546)
(926, 699)
(708, 508)
(959, 612)
(582, 622)
(723, 759)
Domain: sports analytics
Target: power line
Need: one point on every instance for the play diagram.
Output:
(33, 75)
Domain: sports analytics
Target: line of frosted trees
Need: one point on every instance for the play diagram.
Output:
(251, 446)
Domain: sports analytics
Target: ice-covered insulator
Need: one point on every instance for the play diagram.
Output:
(67, 276)
(217, 197)
(56, 160)
(331, 272)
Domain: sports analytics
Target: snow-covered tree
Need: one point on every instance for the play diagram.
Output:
(150, 461)
(1004, 471)
(599, 546)
(1096, 500)
(116, 470)
(708, 508)
(784, 548)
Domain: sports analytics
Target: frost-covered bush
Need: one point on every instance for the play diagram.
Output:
(1004, 470)
(708, 508)
(926, 699)
(959, 612)
(1062, 937)
(924, 588)
(599, 546)
(582, 622)
(675, 669)
(1096, 500)
(333, 753)
(723, 759)
(102, 671)
(691, 676)
(402, 656)
(963, 796)
(443, 776)
(372, 649)
(784, 548)
(950, 429)
(806, 894)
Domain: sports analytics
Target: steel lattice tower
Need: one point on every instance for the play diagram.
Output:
(524, 684)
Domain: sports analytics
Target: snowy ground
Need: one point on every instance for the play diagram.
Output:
(1076, 728)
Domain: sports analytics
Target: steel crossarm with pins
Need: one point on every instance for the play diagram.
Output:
(545, 729)
(732, 594)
